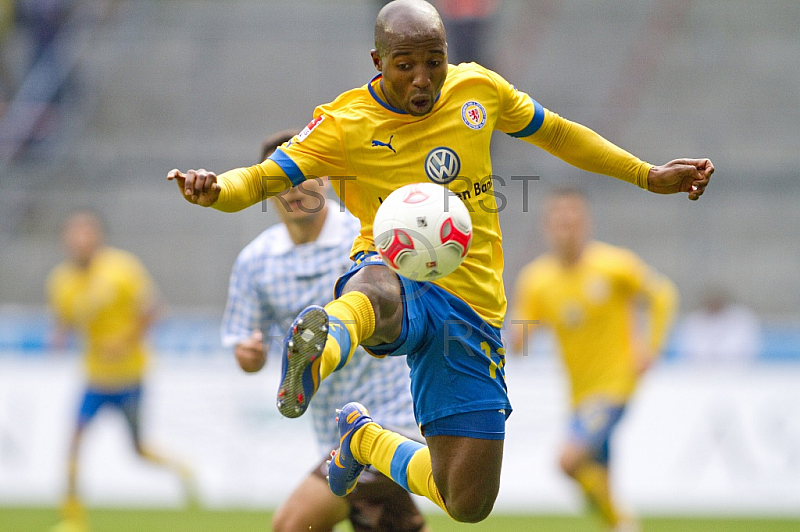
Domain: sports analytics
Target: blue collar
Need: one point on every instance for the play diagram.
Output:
(386, 104)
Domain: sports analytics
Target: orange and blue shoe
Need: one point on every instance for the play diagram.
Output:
(301, 360)
(343, 468)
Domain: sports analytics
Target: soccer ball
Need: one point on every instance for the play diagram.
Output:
(422, 231)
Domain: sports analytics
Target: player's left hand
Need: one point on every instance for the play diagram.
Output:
(198, 186)
(681, 175)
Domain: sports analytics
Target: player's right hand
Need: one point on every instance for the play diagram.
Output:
(197, 186)
(250, 353)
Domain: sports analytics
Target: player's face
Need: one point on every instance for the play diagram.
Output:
(301, 203)
(414, 69)
(83, 236)
(567, 224)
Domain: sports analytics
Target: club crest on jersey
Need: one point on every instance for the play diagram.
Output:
(442, 165)
(309, 128)
(473, 114)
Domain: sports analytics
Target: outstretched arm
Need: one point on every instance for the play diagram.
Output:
(234, 190)
(581, 147)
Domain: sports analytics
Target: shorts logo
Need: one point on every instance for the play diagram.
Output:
(473, 114)
(442, 165)
(309, 128)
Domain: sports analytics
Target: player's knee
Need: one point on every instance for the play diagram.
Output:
(470, 511)
(282, 522)
(471, 507)
(569, 462)
(380, 284)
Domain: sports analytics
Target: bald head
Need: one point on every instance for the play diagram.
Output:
(406, 19)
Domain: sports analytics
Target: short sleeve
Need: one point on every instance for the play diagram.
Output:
(632, 273)
(141, 285)
(525, 296)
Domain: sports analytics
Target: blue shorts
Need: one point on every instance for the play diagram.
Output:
(126, 400)
(592, 425)
(453, 355)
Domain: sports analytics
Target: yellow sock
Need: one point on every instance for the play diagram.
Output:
(351, 320)
(72, 509)
(593, 478)
(406, 462)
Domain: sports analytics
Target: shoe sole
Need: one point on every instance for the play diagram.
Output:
(304, 347)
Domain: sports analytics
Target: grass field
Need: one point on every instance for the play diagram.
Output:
(148, 520)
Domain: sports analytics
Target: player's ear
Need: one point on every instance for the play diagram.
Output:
(376, 60)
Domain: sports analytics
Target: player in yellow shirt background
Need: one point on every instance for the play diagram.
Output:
(421, 120)
(611, 315)
(107, 297)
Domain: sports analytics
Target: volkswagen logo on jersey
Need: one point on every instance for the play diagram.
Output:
(473, 114)
(442, 165)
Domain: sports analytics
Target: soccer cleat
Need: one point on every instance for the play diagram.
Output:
(343, 468)
(301, 359)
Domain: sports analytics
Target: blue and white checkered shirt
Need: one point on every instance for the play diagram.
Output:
(273, 280)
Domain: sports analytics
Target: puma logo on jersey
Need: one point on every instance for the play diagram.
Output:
(379, 144)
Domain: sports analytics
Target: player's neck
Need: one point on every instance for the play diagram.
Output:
(308, 229)
(83, 263)
(382, 94)
(570, 257)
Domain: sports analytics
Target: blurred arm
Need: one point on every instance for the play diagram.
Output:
(662, 298)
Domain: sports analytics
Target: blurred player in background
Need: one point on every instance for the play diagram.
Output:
(421, 120)
(611, 314)
(286, 268)
(106, 296)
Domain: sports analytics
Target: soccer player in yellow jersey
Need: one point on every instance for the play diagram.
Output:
(610, 314)
(420, 120)
(107, 297)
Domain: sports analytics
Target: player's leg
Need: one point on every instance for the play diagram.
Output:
(459, 399)
(368, 311)
(585, 456)
(72, 509)
(72, 461)
(311, 506)
(129, 403)
(459, 474)
(467, 473)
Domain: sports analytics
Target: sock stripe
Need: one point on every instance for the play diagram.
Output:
(339, 332)
(400, 460)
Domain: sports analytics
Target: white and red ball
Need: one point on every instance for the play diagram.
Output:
(422, 231)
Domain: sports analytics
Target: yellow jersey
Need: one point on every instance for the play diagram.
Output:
(369, 148)
(106, 303)
(592, 307)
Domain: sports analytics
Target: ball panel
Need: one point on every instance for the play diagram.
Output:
(423, 231)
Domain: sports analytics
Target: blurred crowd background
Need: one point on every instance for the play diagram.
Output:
(98, 99)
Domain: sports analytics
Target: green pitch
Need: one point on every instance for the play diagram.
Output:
(139, 520)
